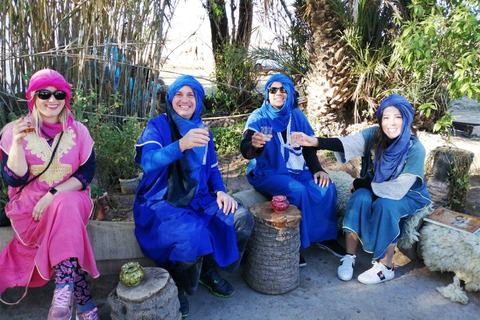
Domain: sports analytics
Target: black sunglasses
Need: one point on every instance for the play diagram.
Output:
(46, 94)
(274, 90)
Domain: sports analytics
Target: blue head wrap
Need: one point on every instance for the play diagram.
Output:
(390, 164)
(184, 174)
(279, 118)
(185, 125)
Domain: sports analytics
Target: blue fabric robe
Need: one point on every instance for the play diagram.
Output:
(281, 170)
(168, 234)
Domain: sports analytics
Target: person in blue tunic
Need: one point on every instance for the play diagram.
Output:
(184, 219)
(391, 188)
(279, 167)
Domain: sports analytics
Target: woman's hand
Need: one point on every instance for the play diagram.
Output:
(304, 140)
(322, 179)
(194, 138)
(41, 206)
(258, 140)
(16, 156)
(226, 202)
(19, 127)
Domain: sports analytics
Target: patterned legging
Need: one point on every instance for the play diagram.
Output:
(68, 272)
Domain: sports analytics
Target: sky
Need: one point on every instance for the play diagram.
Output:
(190, 18)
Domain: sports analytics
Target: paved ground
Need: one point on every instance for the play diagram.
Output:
(321, 295)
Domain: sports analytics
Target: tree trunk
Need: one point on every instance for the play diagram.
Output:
(327, 83)
(218, 27)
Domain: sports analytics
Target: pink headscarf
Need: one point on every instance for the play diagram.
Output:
(41, 80)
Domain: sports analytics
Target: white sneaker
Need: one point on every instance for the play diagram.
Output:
(376, 274)
(345, 270)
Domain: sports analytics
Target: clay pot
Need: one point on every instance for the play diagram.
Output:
(279, 203)
(131, 273)
(129, 186)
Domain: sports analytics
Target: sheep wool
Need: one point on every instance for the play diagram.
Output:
(342, 181)
(411, 233)
(444, 249)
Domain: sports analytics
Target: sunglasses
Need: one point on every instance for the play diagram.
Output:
(45, 94)
(274, 90)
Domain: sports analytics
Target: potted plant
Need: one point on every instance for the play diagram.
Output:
(115, 151)
(114, 139)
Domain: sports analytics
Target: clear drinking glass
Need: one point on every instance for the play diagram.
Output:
(267, 132)
(204, 126)
(293, 142)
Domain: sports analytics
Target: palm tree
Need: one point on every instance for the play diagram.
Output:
(327, 82)
(348, 58)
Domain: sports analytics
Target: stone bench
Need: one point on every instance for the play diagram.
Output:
(113, 243)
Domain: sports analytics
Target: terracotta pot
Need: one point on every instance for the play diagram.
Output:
(279, 203)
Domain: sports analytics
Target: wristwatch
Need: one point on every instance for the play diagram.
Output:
(53, 191)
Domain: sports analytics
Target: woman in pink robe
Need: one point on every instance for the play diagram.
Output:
(48, 162)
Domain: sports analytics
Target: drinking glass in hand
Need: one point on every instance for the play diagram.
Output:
(204, 126)
(293, 142)
(267, 132)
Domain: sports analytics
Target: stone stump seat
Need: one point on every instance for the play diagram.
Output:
(155, 298)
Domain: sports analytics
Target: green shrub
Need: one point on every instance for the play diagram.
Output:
(227, 139)
(114, 140)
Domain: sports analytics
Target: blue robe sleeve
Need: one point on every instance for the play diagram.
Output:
(11, 178)
(154, 157)
(85, 172)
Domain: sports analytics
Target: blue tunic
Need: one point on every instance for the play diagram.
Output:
(166, 233)
(282, 170)
(378, 217)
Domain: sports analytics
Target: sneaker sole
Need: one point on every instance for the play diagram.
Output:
(375, 282)
(345, 278)
(214, 292)
(323, 247)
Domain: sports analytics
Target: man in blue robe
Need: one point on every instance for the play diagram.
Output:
(280, 167)
(184, 219)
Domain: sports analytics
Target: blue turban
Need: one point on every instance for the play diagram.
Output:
(279, 118)
(390, 164)
(185, 125)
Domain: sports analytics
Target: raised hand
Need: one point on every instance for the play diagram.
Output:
(194, 138)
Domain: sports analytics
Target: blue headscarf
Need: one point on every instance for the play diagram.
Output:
(279, 118)
(184, 174)
(390, 164)
(185, 125)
